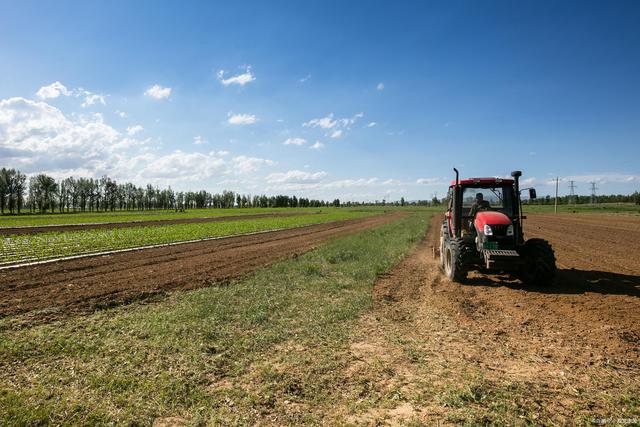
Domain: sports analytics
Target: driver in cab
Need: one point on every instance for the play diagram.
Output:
(479, 204)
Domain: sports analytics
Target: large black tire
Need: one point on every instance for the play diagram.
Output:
(539, 268)
(456, 260)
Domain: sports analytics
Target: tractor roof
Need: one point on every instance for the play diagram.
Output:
(484, 181)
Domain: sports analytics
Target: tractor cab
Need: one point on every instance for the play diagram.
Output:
(485, 201)
(483, 229)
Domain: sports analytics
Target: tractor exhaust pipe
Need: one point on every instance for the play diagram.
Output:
(516, 186)
(457, 207)
(516, 179)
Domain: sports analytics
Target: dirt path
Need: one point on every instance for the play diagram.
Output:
(12, 231)
(49, 291)
(495, 351)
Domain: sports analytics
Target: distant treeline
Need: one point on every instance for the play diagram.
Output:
(42, 193)
(581, 200)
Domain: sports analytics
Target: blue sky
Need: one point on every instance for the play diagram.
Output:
(358, 100)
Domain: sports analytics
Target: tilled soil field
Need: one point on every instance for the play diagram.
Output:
(568, 351)
(13, 231)
(48, 291)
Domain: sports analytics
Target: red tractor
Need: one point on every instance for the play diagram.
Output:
(482, 231)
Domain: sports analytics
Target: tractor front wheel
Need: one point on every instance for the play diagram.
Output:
(455, 266)
(540, 263)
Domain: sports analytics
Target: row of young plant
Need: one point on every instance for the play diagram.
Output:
(136, 216)
(42, 246)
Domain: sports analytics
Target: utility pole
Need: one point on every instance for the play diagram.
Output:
(593, 192)
(572, 192)
(555, 208)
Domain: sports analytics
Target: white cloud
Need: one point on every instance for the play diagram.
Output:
(121, 114)
(295, 176)
(181, 166)
(241, 119)
(335, 127)
(197, 140)
(240, 79)
(133, 130)
(324, 123)
(158, 92)
(584, 181)
(305, 78)
(295, 141)
(184, 166)
(244, 164)
(371, 124)
(602, 178)
(392, 182)
(429, 181)
(36, 137)
(345, 183)
(350, 121)
(91, 98)
(337, 133)
(286, 183)
(380, 86)
(317, 146)
(54, 90)
(220, 153)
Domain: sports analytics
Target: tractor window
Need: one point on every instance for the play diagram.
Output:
(499, 198)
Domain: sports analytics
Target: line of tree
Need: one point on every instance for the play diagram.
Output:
(43, 193)
(12, 188)
(582, 200)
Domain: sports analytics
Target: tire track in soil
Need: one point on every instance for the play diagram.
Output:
(16, 231)
(47, 292)
(571, 346)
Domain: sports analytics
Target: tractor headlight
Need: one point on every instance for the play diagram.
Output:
(510, 230)
(487, 230)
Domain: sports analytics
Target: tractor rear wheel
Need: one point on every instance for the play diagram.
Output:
(540, 263)
(455, 260)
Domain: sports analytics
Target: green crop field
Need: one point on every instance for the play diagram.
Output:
(25, 220)
(34, 247)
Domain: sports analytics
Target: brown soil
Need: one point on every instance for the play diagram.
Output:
(49, 291)
(156, 222)
(567, 351)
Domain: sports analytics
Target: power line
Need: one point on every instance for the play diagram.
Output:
(555, 201)
(593, 192)
(572, 192)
